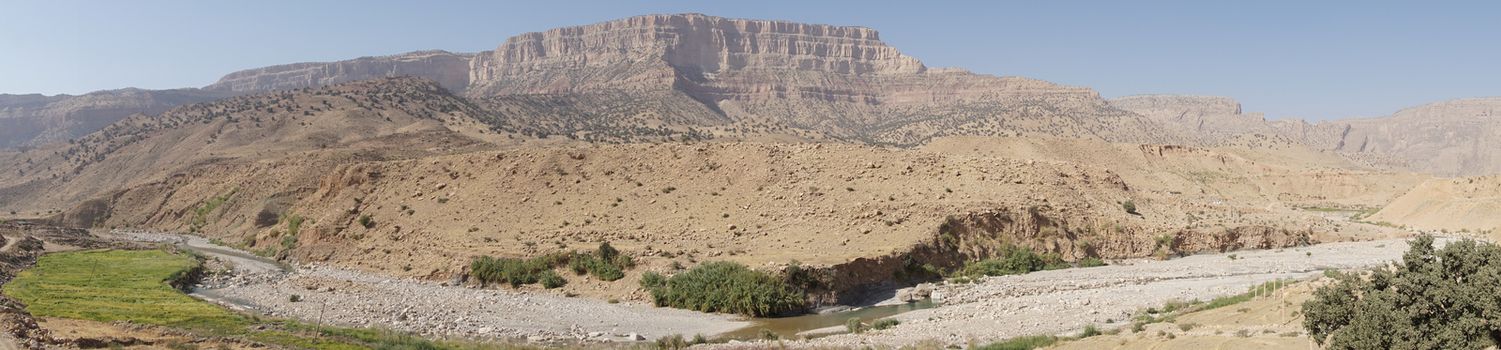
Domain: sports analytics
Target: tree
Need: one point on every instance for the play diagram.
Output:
(1435, 299)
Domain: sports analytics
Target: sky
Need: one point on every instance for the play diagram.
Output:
(1289, 59)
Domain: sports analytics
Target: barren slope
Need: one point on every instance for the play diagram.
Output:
(1460, 204)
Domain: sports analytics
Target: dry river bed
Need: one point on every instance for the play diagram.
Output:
(1063, 302)
(1048, 302)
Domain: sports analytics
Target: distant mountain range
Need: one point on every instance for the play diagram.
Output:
(694, 77)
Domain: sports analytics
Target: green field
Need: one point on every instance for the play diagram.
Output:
(133, 285)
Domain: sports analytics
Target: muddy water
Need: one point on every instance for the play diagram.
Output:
(789, 327)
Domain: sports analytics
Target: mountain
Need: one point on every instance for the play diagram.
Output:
(449, 70)
(384, 118)
(681, 77)
(33, 120)
(1451, 138)
(1448, 138)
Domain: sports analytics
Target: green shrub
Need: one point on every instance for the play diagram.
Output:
(1130, 207)
(606, 263)
(1091, 262)
(725, 287)
(853, 325)
(1013, 260)
(516, 272)
(1434, 299)
(1089, 331)
(366, 221)
(884, 324)
(551, 280)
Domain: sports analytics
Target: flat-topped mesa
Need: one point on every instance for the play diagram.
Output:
(450, 70)
(1167, 107)
(659, 50)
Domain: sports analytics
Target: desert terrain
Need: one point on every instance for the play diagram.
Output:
(368, 193)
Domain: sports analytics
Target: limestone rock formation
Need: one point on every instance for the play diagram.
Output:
(450, 70)
(1456, 137)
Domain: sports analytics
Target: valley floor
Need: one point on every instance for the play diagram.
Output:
(1063, 302)
(1049, 302)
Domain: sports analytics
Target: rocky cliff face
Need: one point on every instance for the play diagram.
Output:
(656, 51)
(450, 70)
(31, 120)
(1456, 137)
(779, 80)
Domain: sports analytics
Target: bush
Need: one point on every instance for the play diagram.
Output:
(884, 324)
(366, 221)
(606, 263)
(853, 325)
(1013, 260)
(516, 272)
(551, 280)
(1130, 207)
(294, 298)
(1089, 331)
(725, 287)
(1433, 299)
(1091, 262)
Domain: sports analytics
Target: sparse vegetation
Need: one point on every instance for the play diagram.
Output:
(1433, 299)
(1022, 343)
(367, 221)
(725, 287)
(1130, 207)
(884, 323)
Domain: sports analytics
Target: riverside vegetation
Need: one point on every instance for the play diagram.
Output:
(605, 263)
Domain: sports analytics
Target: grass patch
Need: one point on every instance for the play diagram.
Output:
(1250, 293)
(114, 285)
(135, 286)
(1022, 343)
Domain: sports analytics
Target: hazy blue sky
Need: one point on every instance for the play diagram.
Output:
(1313, 59)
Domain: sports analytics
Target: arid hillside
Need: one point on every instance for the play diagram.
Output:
(1453, 205)
(380, 119)
(35, 120)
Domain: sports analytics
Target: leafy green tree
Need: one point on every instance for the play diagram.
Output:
(1435, 299)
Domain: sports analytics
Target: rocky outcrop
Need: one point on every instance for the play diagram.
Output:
(450, 70)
